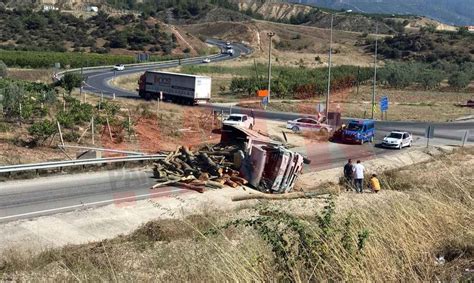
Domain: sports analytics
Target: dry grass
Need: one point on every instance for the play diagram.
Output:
(33, 75)
(423, 212)
(411, 105)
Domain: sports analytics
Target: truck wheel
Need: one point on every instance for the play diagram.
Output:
(147, 96)
(295, 129)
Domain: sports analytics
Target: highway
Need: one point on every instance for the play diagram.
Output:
(31, 198)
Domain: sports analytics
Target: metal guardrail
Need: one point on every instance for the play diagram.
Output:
(89, 69)
(77, 162)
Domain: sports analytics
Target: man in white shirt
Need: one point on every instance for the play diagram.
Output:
(359, 176)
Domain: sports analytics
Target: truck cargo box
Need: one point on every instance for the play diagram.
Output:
(179, 88)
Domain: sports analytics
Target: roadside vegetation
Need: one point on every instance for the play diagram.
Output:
(28, 30)
(304, 83)
(427, 46)
(419, 228)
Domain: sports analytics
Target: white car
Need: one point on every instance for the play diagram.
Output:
(119, 67)
(307, 124)
(207, 60)
(242, 120)
(397, 139)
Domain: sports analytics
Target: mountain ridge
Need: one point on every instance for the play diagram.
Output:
(456, 12)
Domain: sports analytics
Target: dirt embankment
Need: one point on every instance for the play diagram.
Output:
(418, 228)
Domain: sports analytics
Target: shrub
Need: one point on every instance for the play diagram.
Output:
(459, 80)
(41, 131)
(71, 81)
(3, 70)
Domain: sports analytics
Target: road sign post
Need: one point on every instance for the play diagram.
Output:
(465, 138)
(265, 102)
(384, 106)
(429, 134)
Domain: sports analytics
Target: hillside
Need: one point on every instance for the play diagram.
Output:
(27, 30)
(457, 12)
(297, 14)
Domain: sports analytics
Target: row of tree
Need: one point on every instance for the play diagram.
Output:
(300, 83)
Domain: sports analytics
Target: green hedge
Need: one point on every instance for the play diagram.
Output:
(38, 59)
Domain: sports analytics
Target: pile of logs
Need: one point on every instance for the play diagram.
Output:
(209, 168)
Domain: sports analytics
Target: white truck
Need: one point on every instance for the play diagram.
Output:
(178, 88)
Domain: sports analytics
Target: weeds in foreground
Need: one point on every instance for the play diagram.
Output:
(421, 232)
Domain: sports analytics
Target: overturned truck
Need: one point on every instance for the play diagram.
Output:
(243, 157)
(266, 164)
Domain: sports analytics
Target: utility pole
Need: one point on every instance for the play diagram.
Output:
(270, 35)
(330, 61)
(375, 69)
(329, 69)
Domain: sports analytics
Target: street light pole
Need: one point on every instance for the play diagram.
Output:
(375, 70)
(329, 69)
(330, 61)
(270, 35)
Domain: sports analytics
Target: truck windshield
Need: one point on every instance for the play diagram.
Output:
(234, 118)
(354, 127)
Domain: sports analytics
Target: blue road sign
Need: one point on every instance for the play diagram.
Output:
(265, 100)
(384, 103)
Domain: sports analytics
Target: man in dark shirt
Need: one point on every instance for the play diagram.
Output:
(348, 175)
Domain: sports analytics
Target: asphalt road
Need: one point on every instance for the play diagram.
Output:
(31, 198)
(97, 81)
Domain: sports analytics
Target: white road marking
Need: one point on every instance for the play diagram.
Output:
(84, 205)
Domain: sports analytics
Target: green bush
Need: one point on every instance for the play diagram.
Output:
(41, 131)
(3, 70)
(459, 80)
(71, 80)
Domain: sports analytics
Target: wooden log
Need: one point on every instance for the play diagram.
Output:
(220, 181)
(214, 184)
(191, 187)
(287, 196)
(238, 179)
(170, 182)
(221, 153)
(231, 183)
(204, 176)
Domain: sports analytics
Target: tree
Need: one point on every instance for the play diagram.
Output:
(430, 79)
(3, 70)
(70, 81)
(459, 80)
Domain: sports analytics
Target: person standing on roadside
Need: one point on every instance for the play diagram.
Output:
(359, 176)
(374, 184)
(348, 173)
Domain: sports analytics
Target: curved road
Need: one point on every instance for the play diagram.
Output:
(97, 81)
(31, 198)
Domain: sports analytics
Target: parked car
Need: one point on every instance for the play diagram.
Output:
(119, 67)
(242, 120)
(207, 60)
(397, 139)
(307, 124)
(227, 43)
(359, 131)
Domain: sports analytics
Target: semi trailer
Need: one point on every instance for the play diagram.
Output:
(178, 88)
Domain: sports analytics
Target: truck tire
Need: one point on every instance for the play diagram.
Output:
(147, 96)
